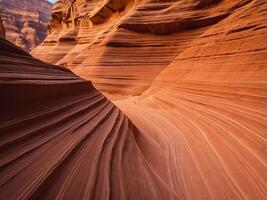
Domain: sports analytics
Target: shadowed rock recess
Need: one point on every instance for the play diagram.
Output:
(187, 80)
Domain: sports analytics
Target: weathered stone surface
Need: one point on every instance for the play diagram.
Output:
(25, 21)
(62, 139)
(190, 75)
(133, 38)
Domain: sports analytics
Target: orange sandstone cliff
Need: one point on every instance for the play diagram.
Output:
(187, 120)
(25, 21)
(123, 45)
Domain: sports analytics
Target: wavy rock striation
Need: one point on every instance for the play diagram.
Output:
(209, 107)
(62, 139)
(128, 41)
(25, 21)
(190, 76)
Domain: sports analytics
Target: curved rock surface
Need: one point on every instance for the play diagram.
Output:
(25, 21)
(128, 40)
(62, 139)
(189, 75)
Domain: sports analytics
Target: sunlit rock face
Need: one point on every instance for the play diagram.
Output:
(187, 116)
(25, 21)
(135, 40)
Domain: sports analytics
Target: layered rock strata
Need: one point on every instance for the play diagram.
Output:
(133, 43)
(191, 77)
(25, 21)
(62, 139)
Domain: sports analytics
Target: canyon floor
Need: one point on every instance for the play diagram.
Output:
(138, 100)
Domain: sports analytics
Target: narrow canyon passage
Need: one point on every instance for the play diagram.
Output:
(126, 106)
(68, 141)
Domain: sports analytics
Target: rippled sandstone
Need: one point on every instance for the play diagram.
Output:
(189, 75)
(25, 21)
(61, 138)
(129, 47)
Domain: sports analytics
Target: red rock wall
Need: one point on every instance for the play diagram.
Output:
(61, 138)
(128, 41)
(25, 21)
(189, 75)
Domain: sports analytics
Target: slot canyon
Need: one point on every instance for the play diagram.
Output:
(136, 100)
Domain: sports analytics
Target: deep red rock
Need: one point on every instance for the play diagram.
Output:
(189, 75)
(61, 138)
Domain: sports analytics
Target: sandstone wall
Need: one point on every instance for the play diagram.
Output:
(133, 40)
(25, 21)
(189, 74)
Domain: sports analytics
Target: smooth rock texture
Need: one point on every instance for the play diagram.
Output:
(25, 21)
(190, 75)
(124, 52)
(62, 139)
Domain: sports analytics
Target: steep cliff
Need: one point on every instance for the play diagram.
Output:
(25, 21)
